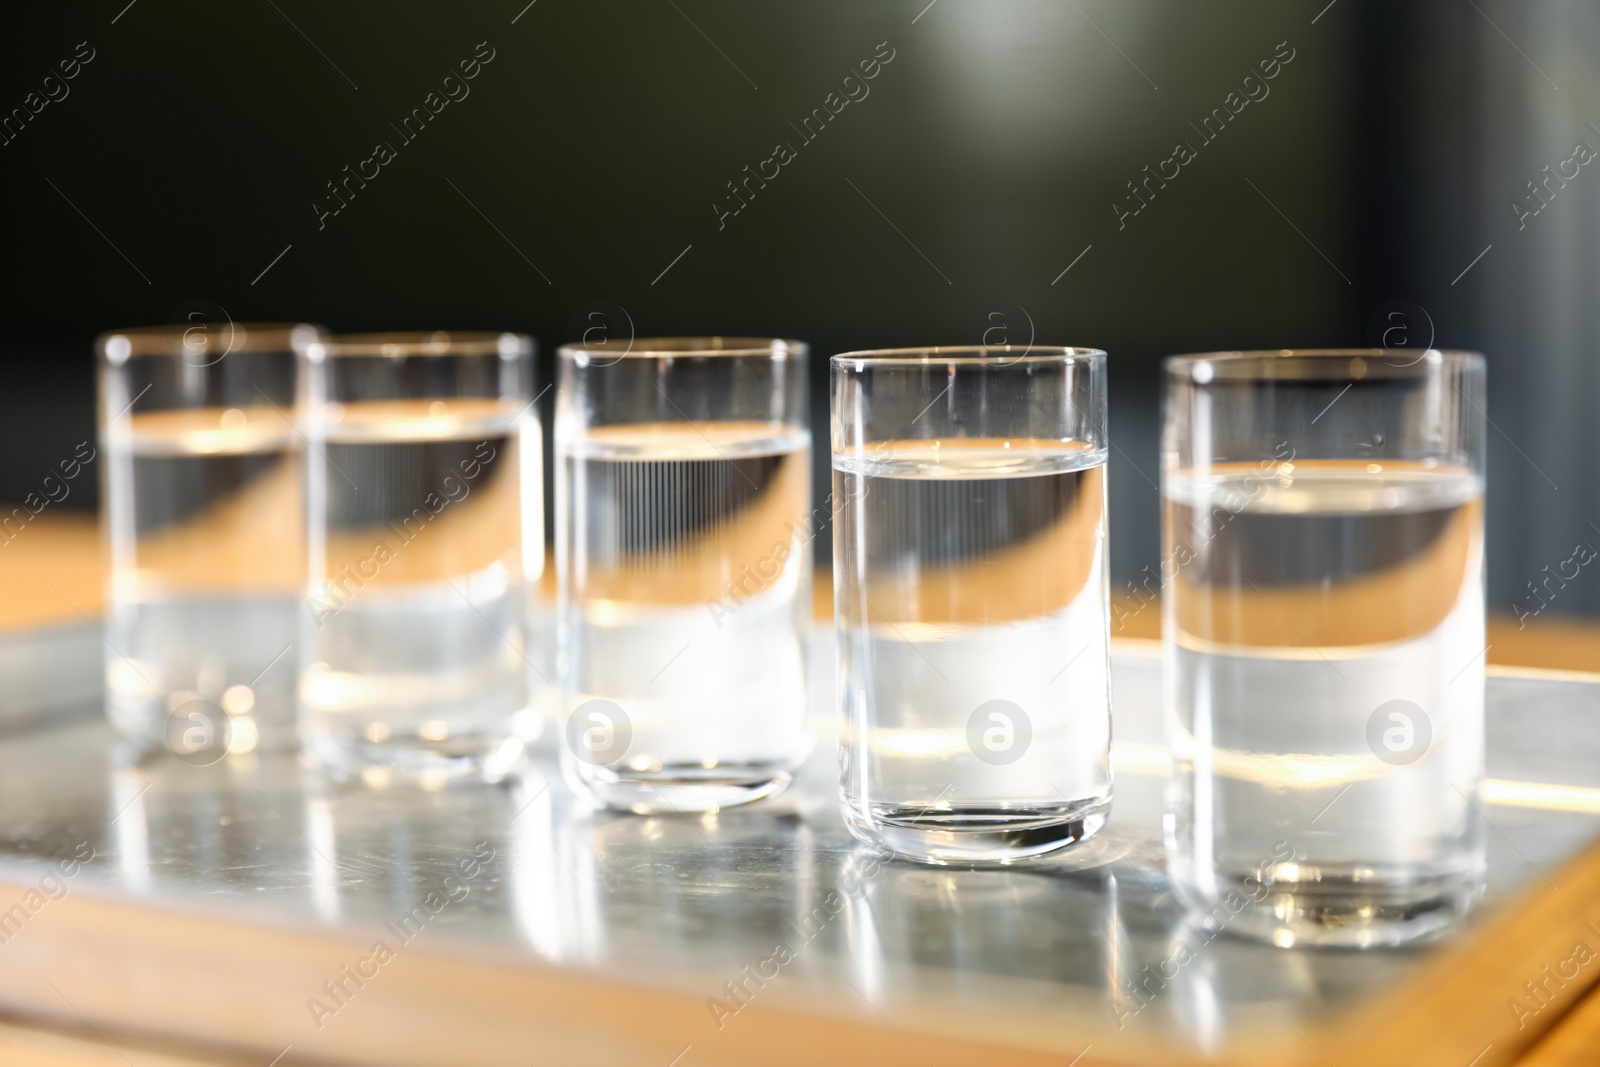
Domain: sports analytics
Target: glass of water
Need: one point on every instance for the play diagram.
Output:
(970, 593)
(1322, 519)
(683, 554)
(426, 541)
(202, 484)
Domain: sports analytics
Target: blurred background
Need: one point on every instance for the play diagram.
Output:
(1409, 173)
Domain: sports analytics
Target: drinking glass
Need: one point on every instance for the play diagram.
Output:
(202, 521)
(425, 512)
(683, 558)
(971, 599)
(1322, 520)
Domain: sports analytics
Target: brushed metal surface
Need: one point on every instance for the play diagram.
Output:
(773, 903)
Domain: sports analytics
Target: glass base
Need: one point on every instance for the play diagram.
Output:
(978, 837)
(198, 731)
(679, 788)
(486, 760)
(1335, 907)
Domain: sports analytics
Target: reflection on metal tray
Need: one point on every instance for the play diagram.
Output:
(243, 905)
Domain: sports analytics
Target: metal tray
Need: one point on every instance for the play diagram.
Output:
(240, 908)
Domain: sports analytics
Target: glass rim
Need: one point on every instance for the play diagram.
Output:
(180, 341)
(402, 344)
(928, 355)
(708, 346)
(1183, 366)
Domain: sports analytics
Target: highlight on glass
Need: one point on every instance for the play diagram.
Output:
(425, 512)
(1322, 518)
(971, 599)
(683, 551)
(202, 487)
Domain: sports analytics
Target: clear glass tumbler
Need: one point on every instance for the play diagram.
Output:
(970, 593)
(683, 558)
(202, 519)
(1322, 519)
(425, 512)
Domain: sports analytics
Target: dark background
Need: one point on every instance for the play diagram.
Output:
(985, 160)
